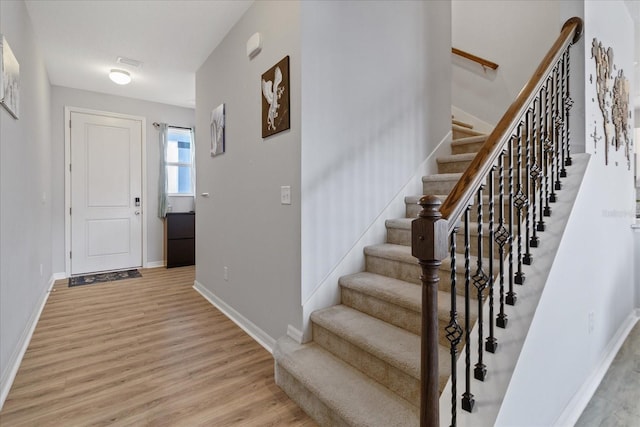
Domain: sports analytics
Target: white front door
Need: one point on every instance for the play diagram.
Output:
(106, 193)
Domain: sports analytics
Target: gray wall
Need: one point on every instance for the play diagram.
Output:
(153, 112)
(376, 102)
(242, 225)
(25, 192)
(496, 30)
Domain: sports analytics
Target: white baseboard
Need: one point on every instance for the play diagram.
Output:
(264, 339)
(294, 333)
(16, 357)
(576, 406)
(155, 264)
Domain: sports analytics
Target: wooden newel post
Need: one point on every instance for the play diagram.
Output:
(429, 243)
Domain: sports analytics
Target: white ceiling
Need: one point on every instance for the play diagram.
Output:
(81, 40)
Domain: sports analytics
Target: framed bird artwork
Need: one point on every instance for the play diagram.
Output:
(275, 98)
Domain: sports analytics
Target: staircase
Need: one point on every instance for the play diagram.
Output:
(363, 366)
(378, 359)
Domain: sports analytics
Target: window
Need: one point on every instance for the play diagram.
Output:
(180, 166)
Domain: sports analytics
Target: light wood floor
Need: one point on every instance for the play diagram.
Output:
(147, 351)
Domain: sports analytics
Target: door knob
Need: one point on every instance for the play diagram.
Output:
(137, 212)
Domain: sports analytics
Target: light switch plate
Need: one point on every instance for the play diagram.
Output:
(285, 195)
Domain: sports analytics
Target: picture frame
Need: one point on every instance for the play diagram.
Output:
(275, 98)
(9, 79)
(217, 131)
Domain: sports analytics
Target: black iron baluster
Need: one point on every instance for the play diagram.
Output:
(501, 237)
(557, 125)
(551, 130)
(454, 331)
(552, 137)
(568, 103)
(563, 115)
(520, 202)
(546, 147)
(492, 343)
(535, 173)
(480, 281)
(528, 258)
(467, 397)
(511, 295)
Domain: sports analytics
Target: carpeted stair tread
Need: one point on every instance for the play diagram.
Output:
(413, 209)
(393, 345)
(399, 233)
(469, 144)
(452, 163)
(390, 251)
(454, 158)
(405, 224)
(461, 123)
(442, 177)
(352, 396)
(405, 294)
(470, 140)
(402, 253)
(464, 130)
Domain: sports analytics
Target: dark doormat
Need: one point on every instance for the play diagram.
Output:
(89, 279)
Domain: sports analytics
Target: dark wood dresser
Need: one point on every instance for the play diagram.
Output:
(181, 239)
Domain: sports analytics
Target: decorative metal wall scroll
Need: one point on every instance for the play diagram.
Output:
(612, 92)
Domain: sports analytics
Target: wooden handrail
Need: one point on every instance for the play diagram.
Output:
(473, 177)
(431, 232)
(474, 58)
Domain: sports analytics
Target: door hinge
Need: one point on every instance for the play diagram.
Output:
(69, 211)
(69, 167)
(70, 255)
(69, 123)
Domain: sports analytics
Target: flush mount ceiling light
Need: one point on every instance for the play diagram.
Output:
(120, 77)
